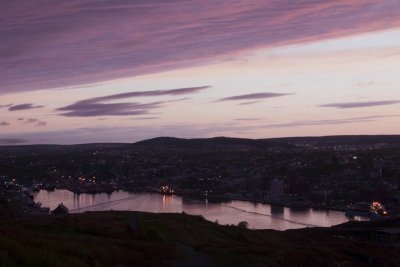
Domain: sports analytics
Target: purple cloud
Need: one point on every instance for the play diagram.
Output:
(104, 40)
(23, 107)
(249, 103)
(146, 118)
(31, 120)
(89, 109)
(172, 92)
(328, 122)
(252, 96)
(361, 104)
(96, 107)
(36, 122)
(4, 123)
(248, 119)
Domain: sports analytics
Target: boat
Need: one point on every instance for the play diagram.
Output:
(375, 211)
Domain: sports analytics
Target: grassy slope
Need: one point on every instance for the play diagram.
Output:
(145, 239)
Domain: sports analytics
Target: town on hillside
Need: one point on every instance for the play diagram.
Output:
(345, 173)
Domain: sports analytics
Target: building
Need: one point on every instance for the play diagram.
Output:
(61, 209)
(275, 188)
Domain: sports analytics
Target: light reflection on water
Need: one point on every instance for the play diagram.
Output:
(259, 216)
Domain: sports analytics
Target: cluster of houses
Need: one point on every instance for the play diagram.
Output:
(16, 201)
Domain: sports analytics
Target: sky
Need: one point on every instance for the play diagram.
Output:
(122, 71)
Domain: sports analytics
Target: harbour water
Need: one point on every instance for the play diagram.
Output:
(258, 216)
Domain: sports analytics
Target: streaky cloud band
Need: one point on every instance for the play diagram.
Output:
(23, 107)
(253, 96)
(99, 41)
(98, 106)
(360, 104)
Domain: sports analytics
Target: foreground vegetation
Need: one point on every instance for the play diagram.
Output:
(145, 239)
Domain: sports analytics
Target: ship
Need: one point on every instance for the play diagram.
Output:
(375, 211)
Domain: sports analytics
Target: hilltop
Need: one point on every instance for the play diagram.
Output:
(230, 142)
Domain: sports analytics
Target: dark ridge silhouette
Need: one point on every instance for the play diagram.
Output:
(220, 142)
(215, 143)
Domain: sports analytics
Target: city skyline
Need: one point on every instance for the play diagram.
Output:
(86, 71)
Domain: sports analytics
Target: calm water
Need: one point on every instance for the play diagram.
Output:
(259, 216)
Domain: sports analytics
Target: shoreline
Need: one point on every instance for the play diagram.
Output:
(213, 199)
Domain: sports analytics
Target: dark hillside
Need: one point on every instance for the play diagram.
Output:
(145, 239)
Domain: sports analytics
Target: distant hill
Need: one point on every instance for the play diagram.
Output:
(212, 143)
(350, 139)
(216, 142)
(63, 149)
(227, 142)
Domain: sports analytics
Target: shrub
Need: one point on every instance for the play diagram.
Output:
(243, 224)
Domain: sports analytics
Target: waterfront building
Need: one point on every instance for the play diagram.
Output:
(276, 188)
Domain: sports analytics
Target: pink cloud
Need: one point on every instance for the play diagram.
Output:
(64, 43)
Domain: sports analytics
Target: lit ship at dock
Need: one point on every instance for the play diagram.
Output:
(375, 210)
